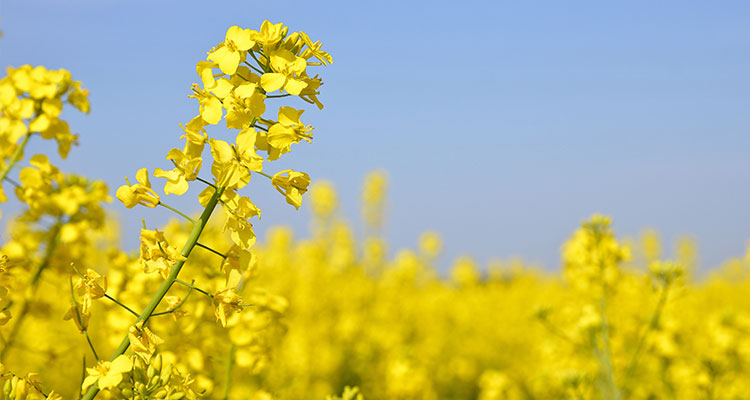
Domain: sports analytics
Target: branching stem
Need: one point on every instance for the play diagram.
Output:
(171, 279)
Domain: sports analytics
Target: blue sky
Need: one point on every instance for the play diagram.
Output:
(501, 124)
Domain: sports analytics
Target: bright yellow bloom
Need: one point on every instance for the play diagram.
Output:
(245, 105)
(292, 186)
(78, 315)
(237, 216)
(269, 34)
(157, 254)
(226, 301)
(289, 129)
(107, 375)
(205, 71)
(140, 193)
(229, 53)
(209, 105)
(89, 287)
(288, 70)
(233, 162)
(143, 341)
(313, 50)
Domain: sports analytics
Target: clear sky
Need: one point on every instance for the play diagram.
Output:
(501, 124)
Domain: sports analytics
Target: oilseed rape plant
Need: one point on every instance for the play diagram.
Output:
(203, 309)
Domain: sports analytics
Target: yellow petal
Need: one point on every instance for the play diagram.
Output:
(272, 81)
(240, 37)
(222, 88)
(211, 110)
(142, 177)
(227, 59)
(295, 86)
(221, 151)
(121, 364)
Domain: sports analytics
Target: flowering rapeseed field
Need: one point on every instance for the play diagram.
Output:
(203, 311)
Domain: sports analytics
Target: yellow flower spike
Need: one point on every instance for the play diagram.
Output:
(143, 341)
(108, 375)
(292, 186)
(140, 193)
(232, 50)
(289, 129)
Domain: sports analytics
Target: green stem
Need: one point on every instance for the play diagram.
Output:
(88, 339)
(199, 179)
(652, 324)
(51, 246)
(192, 287)
(120, 304)
(175, 307)
(264, 174)
(16, 156)
(164, 288)
(230, 364)
(211, 250)
(176, 211)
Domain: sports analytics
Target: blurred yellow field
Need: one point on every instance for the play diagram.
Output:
(204, 310)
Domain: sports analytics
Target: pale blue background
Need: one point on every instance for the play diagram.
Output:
(502, 124)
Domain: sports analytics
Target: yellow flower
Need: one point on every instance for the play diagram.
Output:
(140, 193)
(89, 287)
(225, 301)
(245, 104)
(78, 315)
(157, 254)
(269, 34)
(313, 50)
(205, 71)
(229, 53)
(209, 105)
(237, 223)
(233, 162)
(292, 186)
(142, 340)
(107, 374)
(288, 70)
(289, 129)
